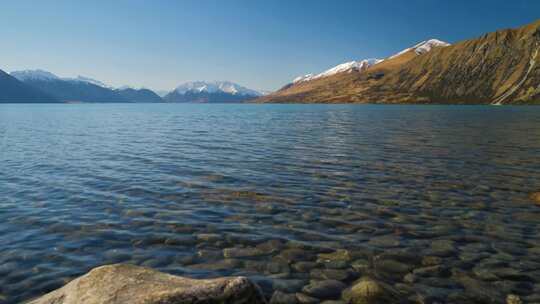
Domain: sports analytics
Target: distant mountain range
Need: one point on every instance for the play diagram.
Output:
(14, 91)
(138, 95)
(211, 92)
(43, 86)
(81, 89)
(502, 67)
(497, 68)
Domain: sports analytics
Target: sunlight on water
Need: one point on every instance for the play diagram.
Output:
(271, 192)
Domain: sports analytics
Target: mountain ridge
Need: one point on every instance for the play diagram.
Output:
(139, 95)
(42, 75)
(211, 92)
(82, 89)
(496, 68)
(362, 65)
(14, 91)
(501, 67)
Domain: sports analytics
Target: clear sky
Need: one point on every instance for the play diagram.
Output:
(261, 44)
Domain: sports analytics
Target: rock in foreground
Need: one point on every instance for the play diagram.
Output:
(369, 291)
(115, 284)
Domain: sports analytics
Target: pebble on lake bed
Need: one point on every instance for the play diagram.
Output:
(339, 255)
(241, 252)
(369, 291)
(535, 197)
(283, 298)
(326, 289)
(513, 299)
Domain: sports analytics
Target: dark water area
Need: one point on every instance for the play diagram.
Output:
(432, 200)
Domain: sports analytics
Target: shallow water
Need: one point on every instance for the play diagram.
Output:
(173, 186)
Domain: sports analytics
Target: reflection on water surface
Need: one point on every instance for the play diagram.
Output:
(433, 201)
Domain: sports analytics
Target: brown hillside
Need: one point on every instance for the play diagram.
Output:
(497, 68)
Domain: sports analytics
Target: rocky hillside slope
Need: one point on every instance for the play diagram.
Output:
(502, 67)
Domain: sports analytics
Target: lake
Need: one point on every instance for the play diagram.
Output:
(432, 200)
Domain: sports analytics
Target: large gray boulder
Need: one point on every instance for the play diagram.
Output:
(120, 284)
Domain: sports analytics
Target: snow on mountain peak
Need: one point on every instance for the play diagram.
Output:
(41, 75)
(88, 80)
(423, 47)
(344, 67)
(215, 87)
(33, 75)
(306, 77)
(135, 88)
(426, 46)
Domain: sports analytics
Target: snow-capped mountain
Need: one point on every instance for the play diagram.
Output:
(78, 89)
(89, 80)
(211, 91)
(344, 67)
(423, 47)
(420, 48)
(13, 90)
(41, 75)
(28, 75)
(215, 87)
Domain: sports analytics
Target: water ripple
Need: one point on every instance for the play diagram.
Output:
(171, 186)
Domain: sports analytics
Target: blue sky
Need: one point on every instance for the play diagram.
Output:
(259, 43)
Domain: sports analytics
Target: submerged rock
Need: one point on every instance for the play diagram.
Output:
(330, 274)
(513, 299)
(392, 269)
(361, 265)
(305, 299)
(271, 246)
(369, 291)
(327, 289)
(209, 237)
(121, 283)
(480, 291)
(442, 248)
(431, 261)
(535, 197)
(432, 271)
(217, 265)
(283, 298)
(288, 285)
(304, 266)
(339, 255)
(241, 252)
(295, 255)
